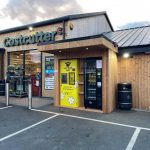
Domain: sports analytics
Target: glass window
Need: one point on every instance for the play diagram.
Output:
(17, 84)
(16, 59)
(29, 62)
(33, 69)
(32, 62)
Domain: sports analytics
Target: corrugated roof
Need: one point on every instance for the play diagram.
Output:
(133, 37)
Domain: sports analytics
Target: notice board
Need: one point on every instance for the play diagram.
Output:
(49, 73)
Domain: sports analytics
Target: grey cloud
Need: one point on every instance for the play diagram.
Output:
(134, 24)
(26, 11)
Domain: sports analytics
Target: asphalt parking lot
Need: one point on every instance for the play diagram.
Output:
(66, 129)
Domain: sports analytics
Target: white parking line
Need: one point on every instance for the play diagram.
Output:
(133, 139)
(95, 120)
(5, 107)
(27, 128)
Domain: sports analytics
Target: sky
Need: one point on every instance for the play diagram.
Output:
(122, 13)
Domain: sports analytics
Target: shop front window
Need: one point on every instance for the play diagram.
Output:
(33, 69)
(27, 64)
(16, 60)
(15, 74)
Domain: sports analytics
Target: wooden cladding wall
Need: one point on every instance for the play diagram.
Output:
(109, 74)
(81, 54)
(87, 26)
(137, 71)
(112, 80)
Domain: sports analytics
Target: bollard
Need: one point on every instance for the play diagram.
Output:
(30, 95)
(7, 93)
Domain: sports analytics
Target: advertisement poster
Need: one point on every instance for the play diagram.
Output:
(49, 73)
(98, 64)
(69, 83)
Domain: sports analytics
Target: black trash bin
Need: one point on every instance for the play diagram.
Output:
(125, 96)
(2, 87)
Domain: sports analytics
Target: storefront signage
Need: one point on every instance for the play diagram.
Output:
(38, 37)
(49, 73)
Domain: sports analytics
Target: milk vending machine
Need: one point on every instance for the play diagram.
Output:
(93, 83)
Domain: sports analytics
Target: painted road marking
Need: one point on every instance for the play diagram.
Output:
(133, 139)
(27, 128)
(95, 120)
(5, 107)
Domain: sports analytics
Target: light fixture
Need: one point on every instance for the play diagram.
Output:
(59, 51)
(126, 55)
(30, 28)
(147, 52)
(71, 26)
(87, 48)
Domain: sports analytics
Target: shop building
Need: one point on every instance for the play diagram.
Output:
(79, 60)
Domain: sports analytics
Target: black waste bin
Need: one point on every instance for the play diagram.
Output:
(125, 96)
(2, 87)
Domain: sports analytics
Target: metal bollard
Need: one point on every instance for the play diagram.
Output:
(30, 95)
(7, 93)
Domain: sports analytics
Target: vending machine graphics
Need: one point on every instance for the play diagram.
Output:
(69, 83)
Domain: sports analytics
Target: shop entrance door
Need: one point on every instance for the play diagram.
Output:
(93, 83)
(69, 83)
(33, 69)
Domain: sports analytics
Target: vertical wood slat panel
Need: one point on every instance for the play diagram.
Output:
(148, 90)
(137, 71)
(111, 78)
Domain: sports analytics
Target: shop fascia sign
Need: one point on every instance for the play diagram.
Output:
(38, 37)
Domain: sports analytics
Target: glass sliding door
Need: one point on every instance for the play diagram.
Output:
(33, 69)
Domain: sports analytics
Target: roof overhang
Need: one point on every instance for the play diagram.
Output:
(135, 49)
(74, 44)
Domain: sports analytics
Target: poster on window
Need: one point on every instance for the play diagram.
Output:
(49, 73)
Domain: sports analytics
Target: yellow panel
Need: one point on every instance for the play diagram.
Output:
(69, 83)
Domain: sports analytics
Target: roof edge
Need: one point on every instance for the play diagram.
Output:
(77, 39)
(134, 49)
(56, 20)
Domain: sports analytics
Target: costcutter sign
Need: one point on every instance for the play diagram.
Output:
(38, 37)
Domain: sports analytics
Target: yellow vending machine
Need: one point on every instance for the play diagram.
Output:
(69, 83)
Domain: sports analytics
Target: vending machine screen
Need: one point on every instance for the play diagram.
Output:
(64, 78)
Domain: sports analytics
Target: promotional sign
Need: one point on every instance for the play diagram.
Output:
(49, 73)
(69, 83)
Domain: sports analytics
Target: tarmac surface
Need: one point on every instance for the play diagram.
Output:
(56, 128)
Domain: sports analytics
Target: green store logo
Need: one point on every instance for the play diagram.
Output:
(39, 37)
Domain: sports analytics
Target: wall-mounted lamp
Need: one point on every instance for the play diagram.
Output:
(30, 28)
(126, 55)
(71, 26)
